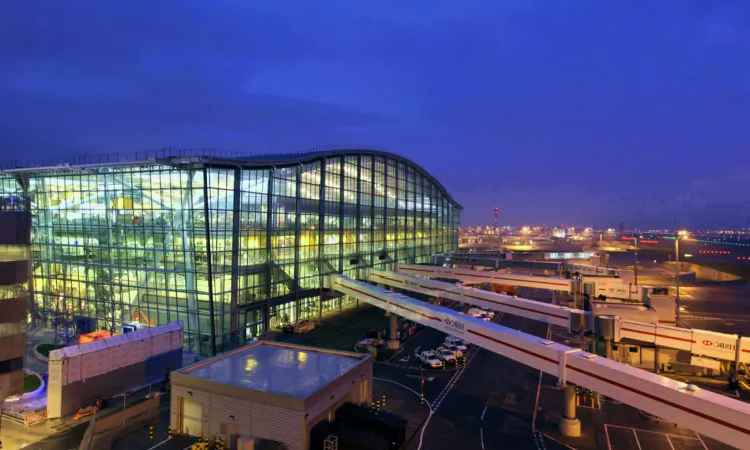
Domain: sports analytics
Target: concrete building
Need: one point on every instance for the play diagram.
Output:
(15, 235)
(233, 245)
(267, 390)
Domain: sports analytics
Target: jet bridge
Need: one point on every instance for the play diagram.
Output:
(700, 343)
(573, 319)
(478, 276)
(722, 418)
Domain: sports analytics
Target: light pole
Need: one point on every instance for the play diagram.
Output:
(635, 267)
(678, 236)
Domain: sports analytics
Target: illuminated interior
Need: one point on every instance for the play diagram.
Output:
(131, 243)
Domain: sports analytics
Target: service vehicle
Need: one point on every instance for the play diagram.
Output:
(455, 350)
(480, 314)
(460, 343)
(430, 359)
(445, 355)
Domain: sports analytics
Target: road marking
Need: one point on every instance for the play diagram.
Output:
(606, 433)
(419, 376)
(484, 411)
(432, 411)
(670, 442)
(651, 431)
(160, 443)
(406, 359)
(639, 442)
(396, 354)
(699, 438)
(481, 437)
(444, 393)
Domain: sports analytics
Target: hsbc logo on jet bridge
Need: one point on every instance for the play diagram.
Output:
(718, 345)
(453, 325)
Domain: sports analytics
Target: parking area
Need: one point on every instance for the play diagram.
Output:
(622, 438)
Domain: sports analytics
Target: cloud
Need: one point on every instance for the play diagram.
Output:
(527, 102)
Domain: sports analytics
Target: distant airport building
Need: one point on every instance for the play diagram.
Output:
(232, 245)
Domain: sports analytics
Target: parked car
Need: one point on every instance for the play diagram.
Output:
(455, 350)
(445, 355)
(430, 359)
(458, 342)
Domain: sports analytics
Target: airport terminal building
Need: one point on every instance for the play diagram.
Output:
(232, 245)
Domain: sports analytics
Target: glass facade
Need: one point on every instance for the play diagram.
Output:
(231, 248)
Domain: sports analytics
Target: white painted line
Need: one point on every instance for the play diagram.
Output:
(484, 411)
(481, 437)
(637, 441)
(424, 427)
(670, 443)
(606, 433)
(396, 354)
(159, 444)
(653, 432)
(405, 387)
(700, 439)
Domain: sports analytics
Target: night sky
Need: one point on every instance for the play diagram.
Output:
(561, 111)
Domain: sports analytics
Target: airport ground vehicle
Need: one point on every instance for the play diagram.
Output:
(460, 343)
(430, 359)
(445, 355)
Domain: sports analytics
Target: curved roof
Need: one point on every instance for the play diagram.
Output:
(286, 159)
(211, 156)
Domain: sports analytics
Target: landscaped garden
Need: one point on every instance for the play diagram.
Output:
(31, 383)
(44, 349)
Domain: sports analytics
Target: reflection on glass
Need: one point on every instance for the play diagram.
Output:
(211, 246)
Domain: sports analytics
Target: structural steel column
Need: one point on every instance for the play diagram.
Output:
(342, 165)
(297, 234)
(236, 206)
(270, 213)
(570, 426)
(321, 231)
(393, 343)
(358, 240)
(373, 257)
(207, 219)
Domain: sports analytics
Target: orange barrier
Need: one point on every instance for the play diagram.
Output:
(84, 412)
(32, 418)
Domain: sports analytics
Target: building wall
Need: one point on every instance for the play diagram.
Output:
(251, 419)
(132, 243)
(14, 298)
(278, 422)
(67, 399)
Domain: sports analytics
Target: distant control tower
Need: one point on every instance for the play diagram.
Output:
(496, 210)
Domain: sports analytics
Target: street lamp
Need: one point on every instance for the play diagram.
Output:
(682, 234)
(635, 267)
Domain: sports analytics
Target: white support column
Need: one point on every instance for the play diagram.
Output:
(570, 426)
(393, 343)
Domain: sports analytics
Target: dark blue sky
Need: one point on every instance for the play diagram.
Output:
(560, 111)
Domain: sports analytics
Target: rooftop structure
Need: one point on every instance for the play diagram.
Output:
(279, 369)
(268, 390)
(233, 245)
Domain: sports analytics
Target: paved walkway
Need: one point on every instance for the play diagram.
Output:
(340, 331)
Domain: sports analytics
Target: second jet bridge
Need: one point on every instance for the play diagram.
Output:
(478, 276)
(573, 319)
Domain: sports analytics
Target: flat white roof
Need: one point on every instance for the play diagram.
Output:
(289, 371)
